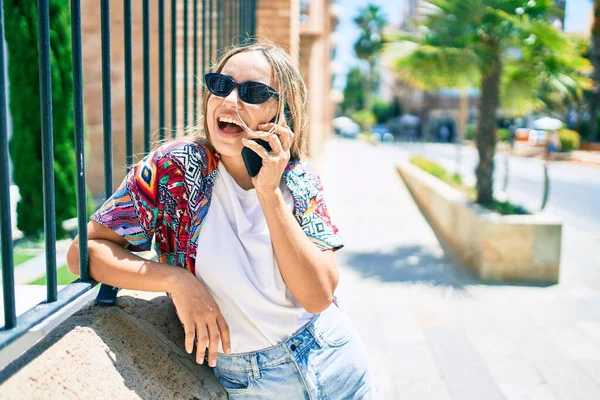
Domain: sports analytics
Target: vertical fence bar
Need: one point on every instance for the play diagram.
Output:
(8, 273)
(161, 69)
(226, 27)
(210, 33)
(47, 147)
(203, 40)
(128, 85)
(84, 269)
(195, 104)
(252, 17)
(174, 67)
(146, 29)
(230, 24)
(243, 6)
(236, 30)
(106, 96)
(219, 28)
(185, 63)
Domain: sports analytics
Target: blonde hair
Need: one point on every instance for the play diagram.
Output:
(292, 91)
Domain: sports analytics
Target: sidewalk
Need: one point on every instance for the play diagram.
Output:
(432, 331)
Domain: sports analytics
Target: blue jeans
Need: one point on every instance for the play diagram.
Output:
(323, 360)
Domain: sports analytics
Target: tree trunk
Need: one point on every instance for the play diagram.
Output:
(595, 55)
(486, 137)
(369, 83)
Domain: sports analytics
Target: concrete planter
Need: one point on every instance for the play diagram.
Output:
(497, 248)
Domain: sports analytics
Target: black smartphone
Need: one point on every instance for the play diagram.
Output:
(252, 160)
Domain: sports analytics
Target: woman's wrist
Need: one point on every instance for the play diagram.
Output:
(269, 197)
(178, 278)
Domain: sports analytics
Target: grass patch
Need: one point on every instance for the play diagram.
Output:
(63, 277)
(20, 257)
(507, 208)
(437, 170)
(455, 180)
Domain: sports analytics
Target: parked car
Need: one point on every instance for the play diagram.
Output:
(537, 137)
(383, 133)
(345, 127)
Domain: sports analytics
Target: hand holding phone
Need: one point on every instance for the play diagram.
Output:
(252, 160)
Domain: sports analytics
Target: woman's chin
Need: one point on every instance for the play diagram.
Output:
(229, 148)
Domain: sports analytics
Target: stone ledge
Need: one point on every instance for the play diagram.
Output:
(130, 351)
(520, 248)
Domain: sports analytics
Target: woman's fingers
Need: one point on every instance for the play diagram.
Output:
(202, 337)
(282, 131)
(273, 140)
(189, 336)
(257, 148)
(213, 344)
(224, 330)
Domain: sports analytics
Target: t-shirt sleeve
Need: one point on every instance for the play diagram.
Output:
(316, 222)
(132, 210)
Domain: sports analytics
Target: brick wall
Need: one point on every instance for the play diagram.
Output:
(277, 21)
(92, 65)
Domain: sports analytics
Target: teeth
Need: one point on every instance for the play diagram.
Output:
(230, 120)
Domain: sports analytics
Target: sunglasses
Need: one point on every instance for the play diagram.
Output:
(250, 92)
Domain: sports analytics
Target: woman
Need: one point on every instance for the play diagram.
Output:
(256, 287)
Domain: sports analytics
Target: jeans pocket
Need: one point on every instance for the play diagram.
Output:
(334, 327)
(234, 382)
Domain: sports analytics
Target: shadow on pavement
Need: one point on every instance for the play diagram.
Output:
(418, 265)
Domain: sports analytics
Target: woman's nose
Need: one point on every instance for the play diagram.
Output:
(232, 99)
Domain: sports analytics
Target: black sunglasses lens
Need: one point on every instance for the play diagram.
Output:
(254, 92)
(219, 85)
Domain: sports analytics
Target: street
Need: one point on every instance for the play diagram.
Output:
(574, 196)
(431, 330)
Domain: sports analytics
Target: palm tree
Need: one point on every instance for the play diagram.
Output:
(370, 22)
(506, 48)
(595, 58)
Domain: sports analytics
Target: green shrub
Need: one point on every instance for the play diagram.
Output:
(503, 135)
(382, 110)
(436, 170)
(569, 140)
(431, 167)
(470, 133)
(507, 208)
(365, 118)
(24, 102)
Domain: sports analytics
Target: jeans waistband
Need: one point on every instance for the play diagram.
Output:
(280, 353)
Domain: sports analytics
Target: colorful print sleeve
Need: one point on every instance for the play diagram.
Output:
(316, 221)
(132, 210)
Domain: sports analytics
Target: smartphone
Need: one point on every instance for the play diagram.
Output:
(252, 160)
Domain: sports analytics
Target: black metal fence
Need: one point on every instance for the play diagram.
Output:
(215, 23)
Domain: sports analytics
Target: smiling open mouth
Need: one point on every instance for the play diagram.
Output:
(229, 125)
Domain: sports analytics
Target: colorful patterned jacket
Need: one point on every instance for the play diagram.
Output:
(166, 197)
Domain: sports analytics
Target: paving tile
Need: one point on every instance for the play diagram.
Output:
(467, 376)
(513, 391)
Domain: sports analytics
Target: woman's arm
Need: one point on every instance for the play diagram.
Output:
(111, 263)
(311, 274)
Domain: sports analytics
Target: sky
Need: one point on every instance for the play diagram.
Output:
(577, 19)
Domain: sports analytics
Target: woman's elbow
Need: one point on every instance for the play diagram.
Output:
(73, 257)
(318, 304)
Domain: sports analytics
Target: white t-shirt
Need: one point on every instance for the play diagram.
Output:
(236, 261)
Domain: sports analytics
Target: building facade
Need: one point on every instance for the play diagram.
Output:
(306, 37)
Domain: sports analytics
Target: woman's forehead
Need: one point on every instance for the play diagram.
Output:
(248, 66)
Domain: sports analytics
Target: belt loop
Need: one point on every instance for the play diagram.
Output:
(313, 332)
(255, 370)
